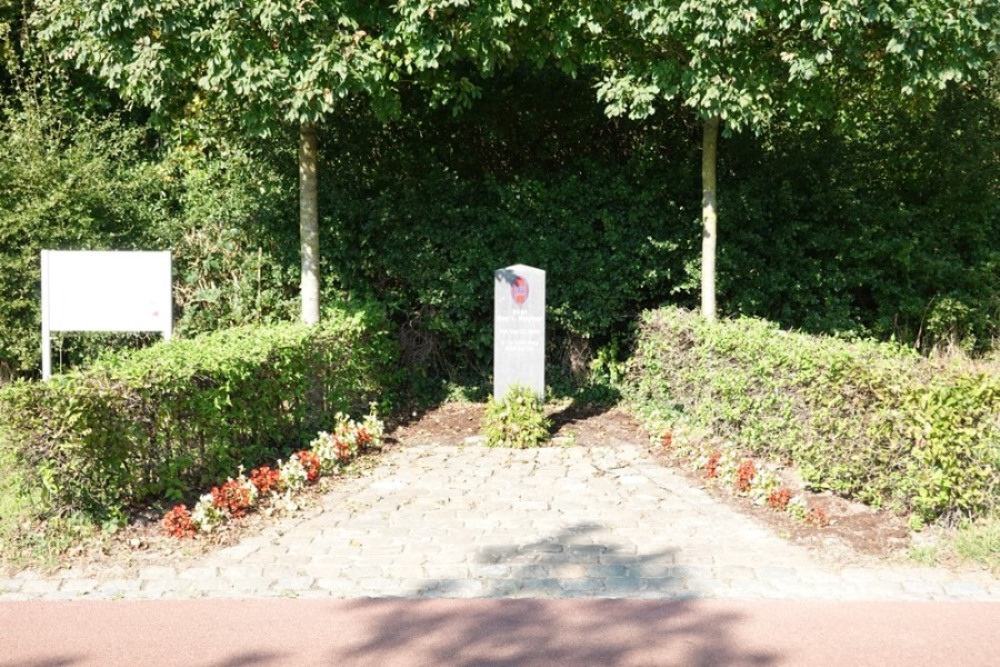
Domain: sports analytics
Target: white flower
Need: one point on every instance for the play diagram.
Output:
(294, 474)
(206, 516)
(375, 428)
(325, 447)
(763, 484)
(252, 494)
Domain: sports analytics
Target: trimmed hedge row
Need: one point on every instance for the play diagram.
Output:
(168, 420)
(872, 421)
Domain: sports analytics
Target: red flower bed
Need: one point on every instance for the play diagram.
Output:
(177, 522)
(265, 479)
(712, 467)
(233, 497)
(745, 475)
(779, 499)
(343, 448)
(667, 439)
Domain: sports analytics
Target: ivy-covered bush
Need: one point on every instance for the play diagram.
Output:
(163, 421)
(872, 421)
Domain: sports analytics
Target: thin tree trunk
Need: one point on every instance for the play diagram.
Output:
(308, 224)
(710, 141)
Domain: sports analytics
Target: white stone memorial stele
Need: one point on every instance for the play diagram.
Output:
(104, 291)
(518, 329)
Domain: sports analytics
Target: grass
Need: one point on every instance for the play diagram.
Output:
(980, 542)
(971, 543)
(26, 538)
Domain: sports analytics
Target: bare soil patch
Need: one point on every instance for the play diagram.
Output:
(573, 424)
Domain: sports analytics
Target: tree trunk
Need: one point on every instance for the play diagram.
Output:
(308, 224)
(710, 140)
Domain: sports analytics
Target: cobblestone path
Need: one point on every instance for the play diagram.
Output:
(441, 521)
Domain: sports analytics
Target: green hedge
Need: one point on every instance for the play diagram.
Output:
(872, 421)
(168, 420)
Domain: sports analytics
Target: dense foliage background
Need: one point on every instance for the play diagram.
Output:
(881, 222)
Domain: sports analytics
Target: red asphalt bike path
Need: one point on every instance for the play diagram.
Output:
(217, 633)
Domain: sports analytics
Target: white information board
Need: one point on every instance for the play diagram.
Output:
(104, 291)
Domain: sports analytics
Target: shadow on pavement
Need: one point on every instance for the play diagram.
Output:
(547, 632)
(60, 661)
(556, 631)
(249, 658)
(572, 563)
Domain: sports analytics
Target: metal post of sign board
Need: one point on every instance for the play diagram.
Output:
(104, 291)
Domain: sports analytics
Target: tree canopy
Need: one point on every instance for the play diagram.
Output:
(739, 64)
(730, 64)
(267, 61)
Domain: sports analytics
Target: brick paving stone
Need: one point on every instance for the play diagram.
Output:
(622, 586)
(251, 584)
(490, 571)
(292, 583)
(10, 585)
(40, 587)
(79, 586)
(241, 571)
(279, 571)
(118, 587)
(582, 584)
(152, 573)
(160, 587)
(959, 590)
(461, 588)
(199, 574)
(859, 575)
(925, 589)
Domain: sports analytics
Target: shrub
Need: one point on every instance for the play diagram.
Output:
(174, 417)
(712, 465)
(867, 420)
(207, 515)
(517, 420)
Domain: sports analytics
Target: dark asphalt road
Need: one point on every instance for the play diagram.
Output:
(221, 633)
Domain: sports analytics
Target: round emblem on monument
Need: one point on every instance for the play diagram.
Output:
(519, 290)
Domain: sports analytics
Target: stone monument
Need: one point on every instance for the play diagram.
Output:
(518, 329)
